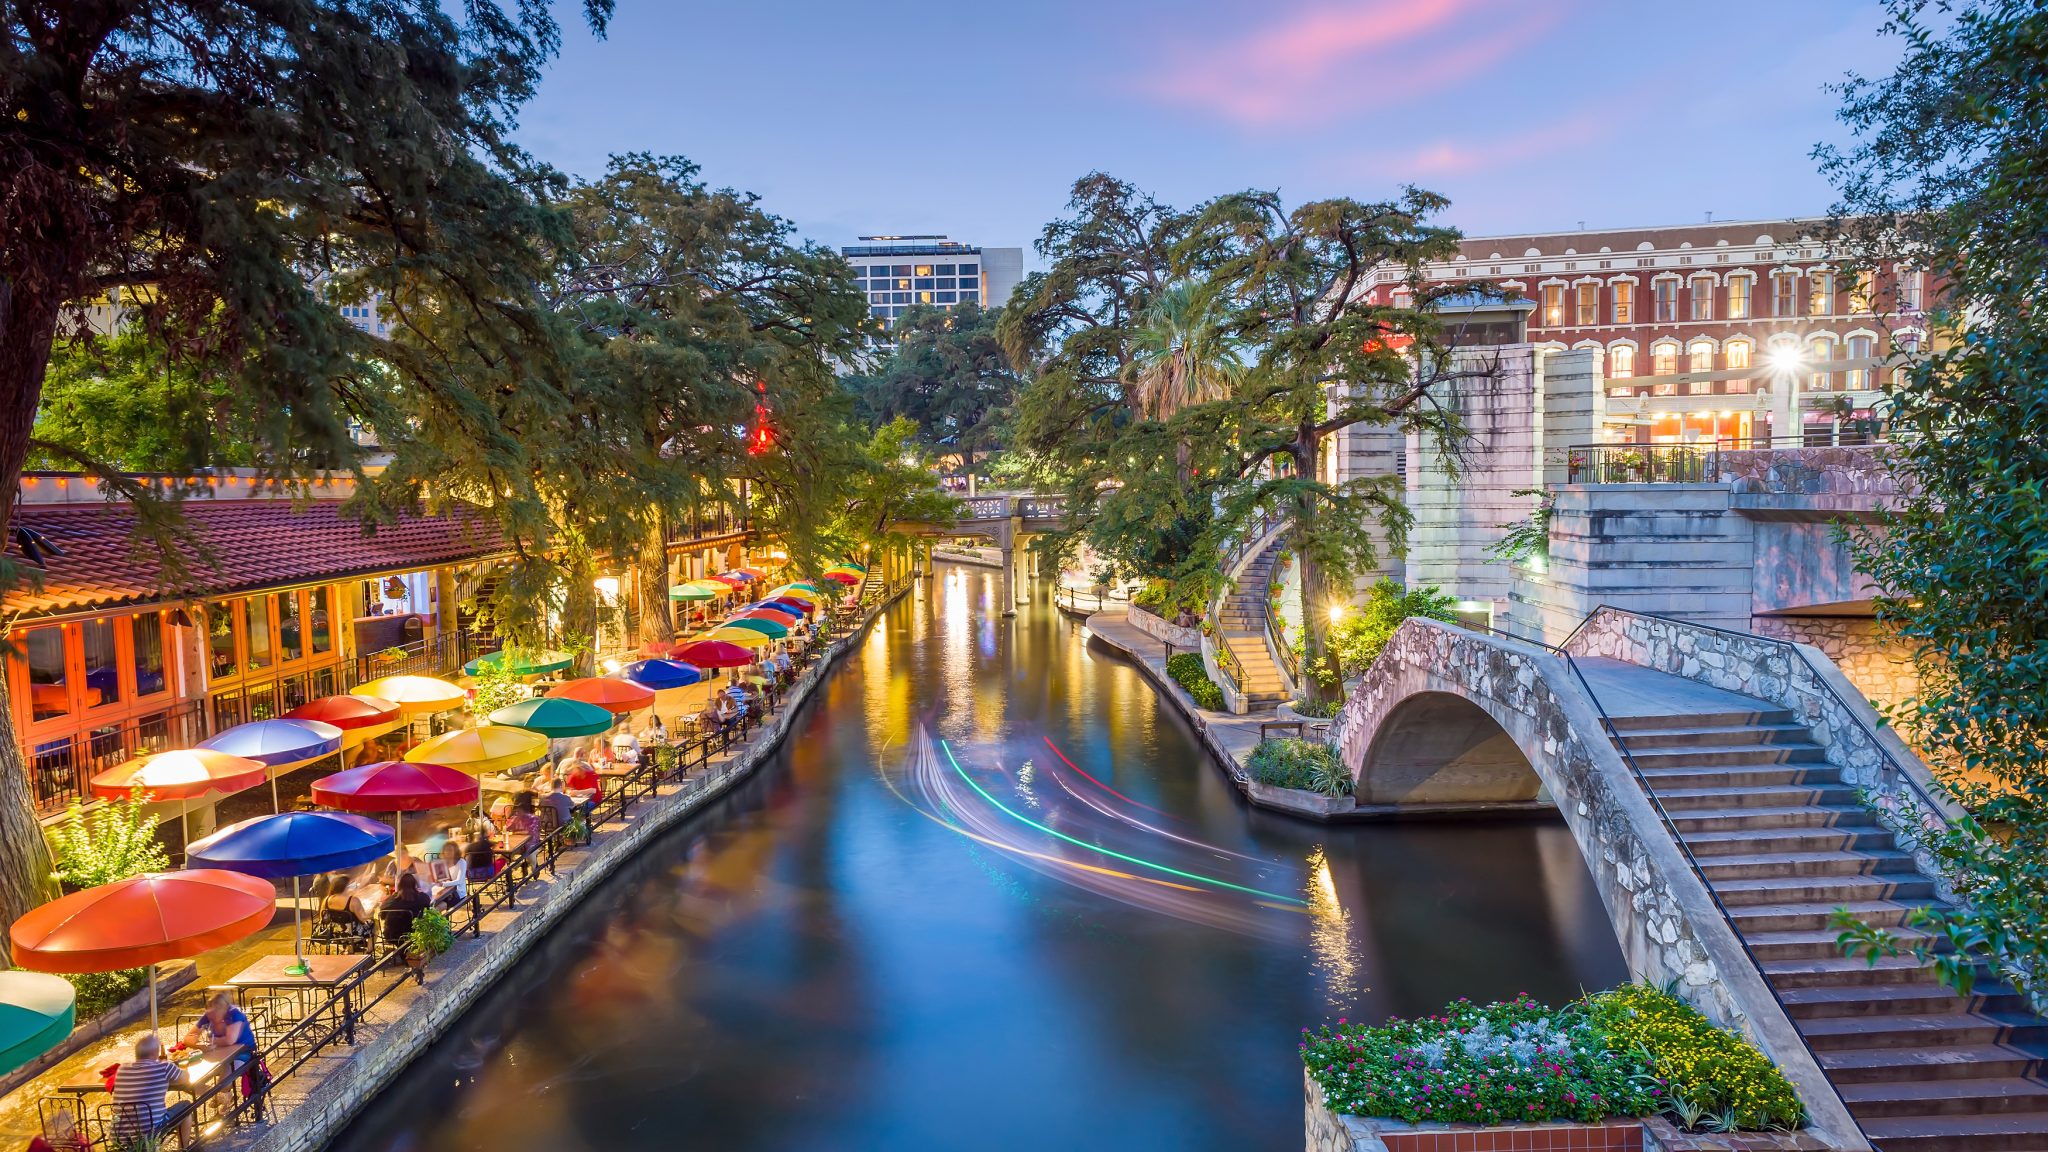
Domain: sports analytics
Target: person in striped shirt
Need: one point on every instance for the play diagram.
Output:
(139, 1088)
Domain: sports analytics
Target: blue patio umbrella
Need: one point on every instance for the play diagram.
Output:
(294, 844)
(278, 744)
(660, 675)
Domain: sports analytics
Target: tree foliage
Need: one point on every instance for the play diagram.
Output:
(113, 842)
(949, 375)
(128, 400)
(1949, 172)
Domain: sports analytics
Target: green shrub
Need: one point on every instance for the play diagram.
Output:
(115, 841)
(100, 992)
(1320, 709)
(1307, 765)
(1187, 671)
(1711, 1073)
(1357, 639)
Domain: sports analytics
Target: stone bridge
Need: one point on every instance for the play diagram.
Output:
(1006, 520)
(1452, 717)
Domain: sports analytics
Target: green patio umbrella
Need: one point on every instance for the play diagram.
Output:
(35, 1014)
(799, 587)
(555, 718)
(521, 662)
(768, 628)
(699, 590)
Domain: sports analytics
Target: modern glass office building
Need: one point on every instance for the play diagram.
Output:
(900, 272)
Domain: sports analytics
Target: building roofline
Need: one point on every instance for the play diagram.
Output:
(1775, 220)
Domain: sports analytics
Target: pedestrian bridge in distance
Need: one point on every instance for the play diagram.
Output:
(1727, 792)
(1006, 520)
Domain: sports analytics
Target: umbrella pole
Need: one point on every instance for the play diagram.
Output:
(152, 999)
(298, 968)
(275, 807)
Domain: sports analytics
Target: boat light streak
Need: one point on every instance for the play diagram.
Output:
(1099, 784)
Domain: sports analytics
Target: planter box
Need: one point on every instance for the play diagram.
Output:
(1300, 800)
(1157, 627)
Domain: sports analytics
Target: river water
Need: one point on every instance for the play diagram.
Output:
(991, 894)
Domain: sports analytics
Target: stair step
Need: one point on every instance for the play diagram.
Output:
(1991, 1096)
(1812, 917)
(1763, 716)
(1740, 841)
(1818, 889)
(1764, 796)
(1703, 755)
(1666, 777)
(1946, 1030)
(1812, 943)
(2001, 1132)
(1733, 818)
(1916, 998)
(1690, 735)
(1842, 972)
(1766, 865)
(1937, 1062)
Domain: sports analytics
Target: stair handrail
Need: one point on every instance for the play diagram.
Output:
(1252, 537)
(1671, 828)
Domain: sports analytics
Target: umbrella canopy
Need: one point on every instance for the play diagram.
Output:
(142, 920)
(414, 695)
(749, 569)
(395, 786)
(660, 675)
(183, 775)
(773, 629)
(278, 743)
(787, 617)
(847, 578)
(715, 654)
(616, 696)
(35, 1014)
(852, 565)
(295, 844)
(699, 590)
(555, 718)
(348, 713)
(520, 662)
(478, 751)
(743, 637)
(796, 604)
(739, 575)
(729, 580)
(799, 586)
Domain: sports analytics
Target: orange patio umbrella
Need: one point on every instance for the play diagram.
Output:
(141, 921)
(615, 696)
(183, 776)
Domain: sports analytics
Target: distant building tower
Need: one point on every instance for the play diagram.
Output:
(901, 272)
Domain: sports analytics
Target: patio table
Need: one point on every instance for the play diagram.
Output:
(323, 973)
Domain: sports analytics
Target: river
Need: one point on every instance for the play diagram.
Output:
(991, 894)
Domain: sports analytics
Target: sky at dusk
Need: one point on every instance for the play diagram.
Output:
(973, 117)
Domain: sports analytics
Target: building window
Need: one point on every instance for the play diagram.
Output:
(256, 631)
(1700, 357)
(1738, 297)
(1859, 293)
(1861, 348)
(323, 627)
(1621, 362)
(1784, 293)
(1737, 352)
(1553, 304)
(1664, 359)
(147, 640)
(220, 639)
(49, 690)
(1589, 304)
(1910, 280)
(1624, 302)
(1820, 293)
(1821, 351)
(291, 645)
(102, 663)
(1702, 297)
(1665, 301)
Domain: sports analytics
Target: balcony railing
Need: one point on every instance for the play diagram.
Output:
(1638, 464)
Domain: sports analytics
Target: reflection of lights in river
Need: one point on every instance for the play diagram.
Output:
(1336, 956)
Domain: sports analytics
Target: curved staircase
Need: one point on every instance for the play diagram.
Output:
(1242, 629)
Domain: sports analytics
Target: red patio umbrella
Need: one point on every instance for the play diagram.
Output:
(142, 921)
(615, 696)
(348, 712)
(729, 581)
(846, 578)
(714, 654)
(395, 786)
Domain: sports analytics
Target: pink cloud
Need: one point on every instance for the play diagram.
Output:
(1450, 157)
(1318, 64)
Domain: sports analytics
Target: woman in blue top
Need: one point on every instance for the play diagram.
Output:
(220, 1025)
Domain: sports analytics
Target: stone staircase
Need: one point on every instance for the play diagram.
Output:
(1783, 842)
(1243, 632)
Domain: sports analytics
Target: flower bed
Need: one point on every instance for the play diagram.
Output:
(1306, 765)
(1634, 1051)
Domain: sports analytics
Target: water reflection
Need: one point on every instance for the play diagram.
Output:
(826, 960)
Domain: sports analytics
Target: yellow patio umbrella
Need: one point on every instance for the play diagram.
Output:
(743, 637)
(482, 751)
(414, 695)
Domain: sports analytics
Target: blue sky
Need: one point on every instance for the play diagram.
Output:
(973, 117)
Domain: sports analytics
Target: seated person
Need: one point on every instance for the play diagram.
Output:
(625, 748)
(501, 808)
(139, 1088)
(656, 733)
(522, 828)
(401, 908)
(401, 862)
(479, 858)
(548, 793)
(221, 1025)
(583, 786)
(450, 875)
(336, 908)
(724, 710)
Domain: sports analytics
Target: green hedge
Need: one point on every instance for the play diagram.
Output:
(1308, 765)
(1187, 671)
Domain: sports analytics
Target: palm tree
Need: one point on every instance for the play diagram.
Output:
(1185, 354)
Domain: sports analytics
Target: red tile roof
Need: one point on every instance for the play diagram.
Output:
(254, 544)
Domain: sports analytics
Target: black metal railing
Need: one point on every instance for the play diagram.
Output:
(1639, 464)
(1276, 636)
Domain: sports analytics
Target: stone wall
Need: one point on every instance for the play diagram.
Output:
(1670, 930)
(1460, 505)
(1151, 624)
(1883, 671)
(1865, 471)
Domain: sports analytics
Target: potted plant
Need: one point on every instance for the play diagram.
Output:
(432, 934)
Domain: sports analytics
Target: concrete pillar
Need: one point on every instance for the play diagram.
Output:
(1007, 594)
(930, 565)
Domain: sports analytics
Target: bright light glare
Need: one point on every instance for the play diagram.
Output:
(1337, 611)
(1786, 359)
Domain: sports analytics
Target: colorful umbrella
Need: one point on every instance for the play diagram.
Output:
(35, 1015)
(414, 695)
(799, 586)
(395, 786)
(141, 921)
(738, 575)
(520, 662)
(479, 751)
(730, 581)
(852, 565)
(295, 844)
(281, 745)
(744, 637)
(698, 590)
(847, 578)
(773, 629)
(750, 570)
(797, 604)
(555, 718)
(660, 675)
(714, 654)
(616, 696)
(183, 776)
(778, 612)
(360, 718)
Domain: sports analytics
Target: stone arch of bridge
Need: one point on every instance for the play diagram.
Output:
(1441, 748)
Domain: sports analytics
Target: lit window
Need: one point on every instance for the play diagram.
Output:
(1700, 357)
(1738, 297)
(323, 625)
(1861, 348)
(924, 270)
(1589, 304)
(1859, 293)
(148, 643)
(1737, 353)
(1553, 304)
(257, 622)
(1666, 300)
(1664, 359)
(102, 663)
(1910, 280)
(1625, 302)
(1621, 362)
(289, 642)
(1821, 351)
(1820, 294)
(49, 690)
(1703, 297)
(1785, 293)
